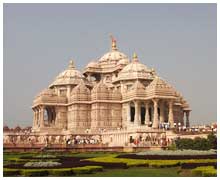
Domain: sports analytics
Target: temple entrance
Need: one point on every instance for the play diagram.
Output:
(143, 111)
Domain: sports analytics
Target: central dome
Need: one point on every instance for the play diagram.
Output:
(69, 76)
(135, 70)
(114, 55)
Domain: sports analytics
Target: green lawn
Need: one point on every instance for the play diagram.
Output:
(137, 172)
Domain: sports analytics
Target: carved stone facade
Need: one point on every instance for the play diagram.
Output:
(111, 93)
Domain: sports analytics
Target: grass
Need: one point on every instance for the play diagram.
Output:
(137, 172)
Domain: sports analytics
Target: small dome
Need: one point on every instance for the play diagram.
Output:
(80, 92)
(100, 88)
(80, 88)
(135, 70)
(123, 62)
(138, 86)
(100, 91)
(47, 92)
(69, 76)
(92, 64)
(116, 94)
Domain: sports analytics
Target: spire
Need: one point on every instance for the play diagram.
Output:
(71, 65)
(114, 45)
(135, 58)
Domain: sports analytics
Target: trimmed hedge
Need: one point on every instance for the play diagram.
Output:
(155, 163)
(206, 171)
(11, 172)
(52, 172)
(164, 163)
(35, 172)
(74, 171)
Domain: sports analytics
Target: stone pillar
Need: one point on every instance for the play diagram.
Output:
(170, 118)
(136, 116)
(187, 119)
(155, 120)
(162, 112)
(42, 117)
(147, 117)
(34, 118)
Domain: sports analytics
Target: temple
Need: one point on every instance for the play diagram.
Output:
(117, 99)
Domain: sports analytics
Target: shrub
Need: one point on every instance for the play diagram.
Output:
(95, 168)
(46, 156)
(164, 163)
(113, 159)
(82, 170)
(201, 144)
(172, 147)
(16, 160)
(35, 172)
(76, 170)
(42, 164)
(198, 143)
(206, 171)
(212, 140)
(61, 172)
(11, 172)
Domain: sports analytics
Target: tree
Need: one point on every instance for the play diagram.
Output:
(212, 140)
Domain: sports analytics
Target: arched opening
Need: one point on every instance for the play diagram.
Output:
(49, 115)
(132, 111)
(150, 114)
(143, 111)
(166, 112)
(97, 77)
(158, 110)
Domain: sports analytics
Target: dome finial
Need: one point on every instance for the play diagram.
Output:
(71, 64)
(135, 58)
(114, 45)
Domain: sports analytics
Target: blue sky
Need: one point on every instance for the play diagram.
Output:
(178, 40)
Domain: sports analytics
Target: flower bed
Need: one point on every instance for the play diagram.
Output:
(177, 152)
(42, 164)
(171, 155)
